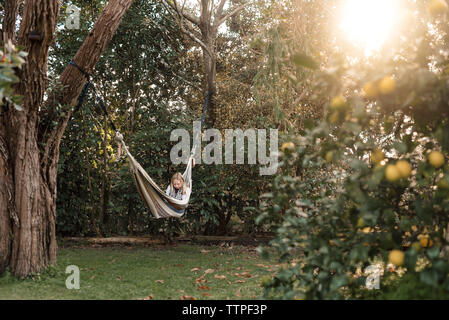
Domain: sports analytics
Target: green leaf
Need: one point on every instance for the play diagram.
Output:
(303, 60)
(429, 277)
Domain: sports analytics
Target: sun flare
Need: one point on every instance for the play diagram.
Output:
(369, 23)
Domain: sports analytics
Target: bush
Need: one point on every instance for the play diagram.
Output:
(369, 181)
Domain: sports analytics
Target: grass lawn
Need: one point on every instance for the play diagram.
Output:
(158, 272)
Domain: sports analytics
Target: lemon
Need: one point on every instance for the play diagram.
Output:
(265, 281)
(436, 159)
(334, 117)
(370, 89)
(387, 85)
(377, 156)
(367, 230)
(417, 246)
(289, 146)
(392, 173)
(425, 241)
(437, 7)
(443, 184)
(338, 102)
(404, 168)
(360, 223)
(396, 257)
(329, 156)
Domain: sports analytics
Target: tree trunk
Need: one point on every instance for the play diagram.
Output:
(208, 23)
(210, 71)
(28, 157)
(105, 186)
(9, 22)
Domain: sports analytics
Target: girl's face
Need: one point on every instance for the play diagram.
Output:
(177, 183)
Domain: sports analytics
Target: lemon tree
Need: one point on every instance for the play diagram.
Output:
(368, 182)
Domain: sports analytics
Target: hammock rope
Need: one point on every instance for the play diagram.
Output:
(156, 200)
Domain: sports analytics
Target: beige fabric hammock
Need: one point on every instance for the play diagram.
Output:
(160, 204)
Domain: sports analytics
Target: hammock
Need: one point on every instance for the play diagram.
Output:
(156, 200)
(159, 203)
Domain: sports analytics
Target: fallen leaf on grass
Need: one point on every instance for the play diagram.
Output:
(188, 298)
(206, 294)
(209, 271)
(240, 281)
(92, 278)
(119, 278)
(160, 281)
(203, 288)
(201, 279)
(194, 269)
(204, 251)
(219, 277)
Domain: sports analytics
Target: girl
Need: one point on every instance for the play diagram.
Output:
(177, 188)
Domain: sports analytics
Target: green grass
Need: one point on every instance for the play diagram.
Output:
(140, 272)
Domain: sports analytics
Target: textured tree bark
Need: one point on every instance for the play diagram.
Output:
(28, 170)
(9, 24)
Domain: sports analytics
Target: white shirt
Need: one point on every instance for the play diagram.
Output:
(178, 195)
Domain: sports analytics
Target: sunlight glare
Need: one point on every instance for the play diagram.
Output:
(369, 23)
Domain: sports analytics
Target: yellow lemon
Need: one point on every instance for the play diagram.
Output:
(338, 102)
(367, 230)
(437, 7)
(289, 146)
(329, 156)
(377, 156)
(425, 241)
(360, 223)
(396, 257)
(370, 89)
(387, 85)
(404, 168)
(443, 184)
(334, 117)
(436, 159)
(392, 173)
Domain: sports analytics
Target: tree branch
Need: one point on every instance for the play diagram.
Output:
(219, 13)
(181, 12)
(194, 38)
(226, 17)
(86, 57)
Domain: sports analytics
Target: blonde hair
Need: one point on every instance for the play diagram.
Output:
(178, 176)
